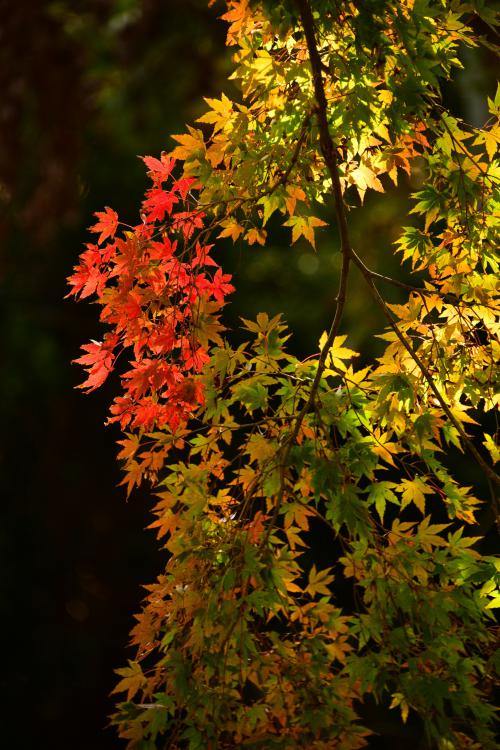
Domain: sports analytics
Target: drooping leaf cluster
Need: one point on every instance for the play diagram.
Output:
(243, 641)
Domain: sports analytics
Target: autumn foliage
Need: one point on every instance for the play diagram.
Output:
(244, 641)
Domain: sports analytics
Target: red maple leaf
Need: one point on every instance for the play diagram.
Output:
(159, 170)
(87, 281)
(98, 362)
(158, 203)
(147, 413)
(187, 221)
(190, 392)
(202, 257)
(193, 357)
(107, 224)
(219, 287)
(123, 411)
(184, 185)
(148, 291)
(162, 339)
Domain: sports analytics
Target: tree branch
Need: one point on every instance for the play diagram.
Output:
(329, 154)
(328, 151)
(490, 474)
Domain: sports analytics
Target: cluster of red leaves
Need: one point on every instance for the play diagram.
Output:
(154, 285)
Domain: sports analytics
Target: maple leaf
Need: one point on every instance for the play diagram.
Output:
(256, 235)
(379, 493)
(298, 513)
(492, 447)
(260, 449)
(187, 222)
(383, 447)
(304, 226)
(219, 113)
(191, 143)
(289, 581)
(98, 361)
(293, 537)
(159, 170)
(158, 203)
(257, 526)
(146, 374)
(337, 352)
(193, 357)
(414, 491)
(133, 679)
(429, 534)
(364, 177)
(231, 229)
(217, 150)
(398, 699)
(319, 581)
(147, 412)
(183, 186)
(238, 17)
(220, 286)
(86, 280)
(107, 224)
(166, 523)
(122, 411)
(294, 194)
(189, 391)
(130, 446)
(134, 474)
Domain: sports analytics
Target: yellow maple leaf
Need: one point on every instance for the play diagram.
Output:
(216, 150)
(220, 112)
(337, 353)
(259, 448)
(338, 649)
(460, 414)
(231, 229)
(191, 143)
(363, 178)
(134, 475)
(428, 535)
(414, 491)
(133, 679)
(295, 193)
(256, 235)
(319, 581)
(294, 538)
(130, 446)
(298, 513)
(490, 138)
(383, 446)
(398, 699)
(304, 226)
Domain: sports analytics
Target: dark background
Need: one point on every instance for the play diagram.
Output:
(86, 86)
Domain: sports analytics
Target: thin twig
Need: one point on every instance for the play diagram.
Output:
(490, 474)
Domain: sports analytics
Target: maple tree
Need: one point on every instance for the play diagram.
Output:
(243, 641)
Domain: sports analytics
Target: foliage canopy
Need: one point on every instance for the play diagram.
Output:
(243, 641)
